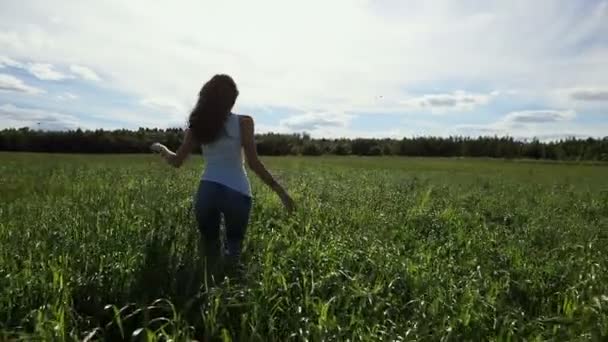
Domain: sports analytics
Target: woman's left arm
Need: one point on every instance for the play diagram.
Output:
(177, 158)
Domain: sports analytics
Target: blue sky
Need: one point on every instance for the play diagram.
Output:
(345, 68)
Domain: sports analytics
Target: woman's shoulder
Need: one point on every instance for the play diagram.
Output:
(246, 124)
(244, 119)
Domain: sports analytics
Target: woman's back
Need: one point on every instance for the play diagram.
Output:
(224, 190)
(224, 161)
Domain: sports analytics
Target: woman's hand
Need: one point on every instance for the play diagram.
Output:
(251, 154)
(157, 147)
(287, 201)
(165, 153)
(163, 150)
(177, 158)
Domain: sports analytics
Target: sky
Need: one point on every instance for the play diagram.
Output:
(340, 68)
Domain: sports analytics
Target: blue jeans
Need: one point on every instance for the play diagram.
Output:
(213, 200)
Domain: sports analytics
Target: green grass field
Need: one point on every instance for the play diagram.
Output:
(105, 247)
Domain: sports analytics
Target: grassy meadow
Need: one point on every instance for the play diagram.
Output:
(102, 247)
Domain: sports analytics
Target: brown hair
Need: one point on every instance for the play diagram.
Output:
(215, 102)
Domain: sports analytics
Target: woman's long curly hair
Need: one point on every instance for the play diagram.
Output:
(215, 102)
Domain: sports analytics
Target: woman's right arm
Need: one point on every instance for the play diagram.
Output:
(176, 159)
(255, 164)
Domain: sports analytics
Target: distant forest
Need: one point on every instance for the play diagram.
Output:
(128, 141)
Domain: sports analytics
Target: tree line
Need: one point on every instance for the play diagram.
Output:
(139, 141)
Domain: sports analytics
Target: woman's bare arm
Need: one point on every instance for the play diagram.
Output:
(256, 165)
(177, 158)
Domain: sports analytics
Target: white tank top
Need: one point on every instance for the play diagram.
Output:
(224, 162)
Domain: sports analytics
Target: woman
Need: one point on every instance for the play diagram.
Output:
(224, 188)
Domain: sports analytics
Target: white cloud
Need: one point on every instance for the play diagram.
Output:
(85, 73)
(164, 104)
(133, 119)
(9, 62)
(335, 132)
(355, 50)
(317, 124)
(67, 96)
(377, 47)
(527, 124)
(315, 121)
(13, 84)
(349, 132)
(45, 72)
(42, 71)
(553, 131)
(15, 117)
(589, 95)
(456, 101)
(539, 116)
(329, 125)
